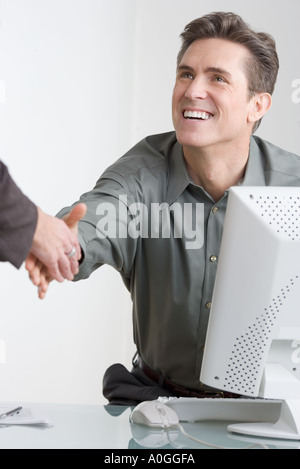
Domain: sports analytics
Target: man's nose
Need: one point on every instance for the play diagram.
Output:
(196, 89)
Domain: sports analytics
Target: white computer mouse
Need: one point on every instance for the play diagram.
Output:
(154, 414)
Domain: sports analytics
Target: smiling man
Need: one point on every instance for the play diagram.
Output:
(213, 112)
(225, 77)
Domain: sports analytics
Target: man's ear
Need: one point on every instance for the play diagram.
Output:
(260, 104)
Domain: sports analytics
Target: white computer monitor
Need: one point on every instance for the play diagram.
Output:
(253, 339)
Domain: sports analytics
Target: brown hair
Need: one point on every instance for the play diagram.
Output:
(261, 69)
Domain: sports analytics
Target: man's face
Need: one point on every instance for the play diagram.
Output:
(211, 103)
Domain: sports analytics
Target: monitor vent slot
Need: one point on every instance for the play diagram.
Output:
(244, 366)
(279, 212)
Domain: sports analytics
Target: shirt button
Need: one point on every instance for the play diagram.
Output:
(213, 258)
(208, 305)
(214, 210)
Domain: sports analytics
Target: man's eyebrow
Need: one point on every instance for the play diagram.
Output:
(185, 67)
(218, 70)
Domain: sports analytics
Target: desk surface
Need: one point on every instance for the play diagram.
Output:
(108, 427)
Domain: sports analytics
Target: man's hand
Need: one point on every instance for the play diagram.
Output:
(53, 241)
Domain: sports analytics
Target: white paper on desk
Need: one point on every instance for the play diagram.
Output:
(26, 417)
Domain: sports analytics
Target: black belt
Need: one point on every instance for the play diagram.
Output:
(181, 391)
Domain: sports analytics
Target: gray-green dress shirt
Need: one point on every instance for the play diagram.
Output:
(170, 283)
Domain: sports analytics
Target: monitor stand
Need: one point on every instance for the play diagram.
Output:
(287, 426)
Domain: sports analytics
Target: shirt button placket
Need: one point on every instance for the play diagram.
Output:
(213, 235)
(213, 244)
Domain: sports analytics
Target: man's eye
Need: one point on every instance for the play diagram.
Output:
(220, 79)
(187, 75)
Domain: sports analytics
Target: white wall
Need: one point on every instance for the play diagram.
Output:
(67, 66)
(84, 80)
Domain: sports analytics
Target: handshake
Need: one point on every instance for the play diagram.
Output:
(55, 252)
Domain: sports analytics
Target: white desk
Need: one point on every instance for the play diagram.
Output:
(92, 427)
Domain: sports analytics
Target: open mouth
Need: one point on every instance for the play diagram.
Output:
(196, 115)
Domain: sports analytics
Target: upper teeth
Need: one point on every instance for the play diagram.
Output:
(197, 115)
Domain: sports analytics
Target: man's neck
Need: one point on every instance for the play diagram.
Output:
(216, 170)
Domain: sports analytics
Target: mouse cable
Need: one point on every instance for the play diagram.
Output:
(211, 445)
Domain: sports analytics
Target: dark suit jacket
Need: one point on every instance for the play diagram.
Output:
(18, 220)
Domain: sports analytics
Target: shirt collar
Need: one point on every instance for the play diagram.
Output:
(178, 175)
(179, 178)
(254, 173)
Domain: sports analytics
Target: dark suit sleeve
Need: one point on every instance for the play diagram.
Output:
(18, 220)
